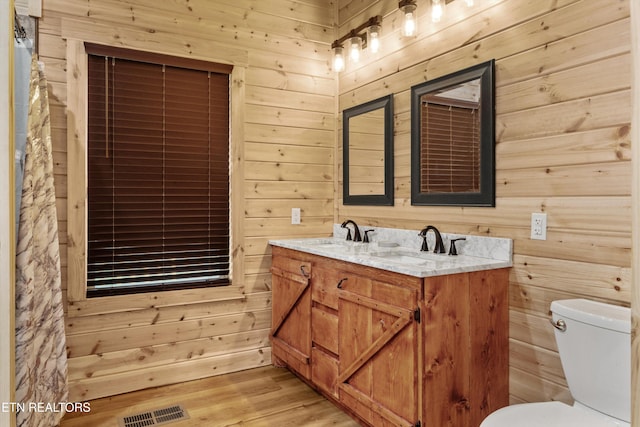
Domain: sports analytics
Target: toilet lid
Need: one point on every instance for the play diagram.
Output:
(549, 414)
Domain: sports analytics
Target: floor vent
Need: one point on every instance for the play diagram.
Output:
(155, 417)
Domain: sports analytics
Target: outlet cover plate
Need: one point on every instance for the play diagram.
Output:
(538, 226)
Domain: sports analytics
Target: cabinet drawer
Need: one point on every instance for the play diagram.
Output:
(324, 371)
(324, 329)
(290, 264)
(389, 293)
(324, 289)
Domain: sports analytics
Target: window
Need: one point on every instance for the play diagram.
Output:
(157, 172)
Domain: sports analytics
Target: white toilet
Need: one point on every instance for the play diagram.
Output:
(594, 341)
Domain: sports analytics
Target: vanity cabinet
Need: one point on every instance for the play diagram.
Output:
(378, 348)
(291, 313)
(393, 349)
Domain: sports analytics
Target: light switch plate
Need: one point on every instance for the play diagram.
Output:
(295, 216)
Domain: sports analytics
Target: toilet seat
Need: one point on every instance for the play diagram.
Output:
(549, 414)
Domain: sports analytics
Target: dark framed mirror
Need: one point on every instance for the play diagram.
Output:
(453, 139)
(367, 153)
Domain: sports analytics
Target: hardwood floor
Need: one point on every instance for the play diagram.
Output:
(261, 397)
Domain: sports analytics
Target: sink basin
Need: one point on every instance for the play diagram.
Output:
(326, 244)
(403, 258)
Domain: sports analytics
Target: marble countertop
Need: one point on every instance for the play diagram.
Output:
(392, 256)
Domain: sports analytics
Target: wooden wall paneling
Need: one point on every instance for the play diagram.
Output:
(288, 153)
(237, 160)
(289, 117)
(167, 314)
(572, 116)
(264, 171)
(295, 100)
(506, 40)
(282, 106)
(76, 154)
(105, 364)
(494, 34)
(597, 280)
(274, 208)
(290, 80)
(256, 132)
(105, 341)
(255, 29)
(290, 189)
(592, 44)
(608, 144)
(565, 85)
(536, 361)
(593, 179)
(286, 62)
(563, 147)
(92, 388)
(528, 387)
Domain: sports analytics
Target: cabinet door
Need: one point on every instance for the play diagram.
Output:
(291, 318)
(466, 347)
(378, 351)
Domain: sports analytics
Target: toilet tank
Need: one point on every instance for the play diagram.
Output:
(595, 350)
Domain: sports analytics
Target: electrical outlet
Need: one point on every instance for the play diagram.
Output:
(539, 226)
(295, 216)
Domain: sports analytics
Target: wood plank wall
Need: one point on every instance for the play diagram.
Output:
(563, 110)
(287, 116)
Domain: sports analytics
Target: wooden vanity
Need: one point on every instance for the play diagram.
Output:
(390, 348)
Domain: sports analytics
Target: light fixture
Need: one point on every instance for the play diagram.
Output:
(437, 10)
(356, 41)
(355, 46)
(409, 18)
(469, 2)
(338, 57)
(373, 38)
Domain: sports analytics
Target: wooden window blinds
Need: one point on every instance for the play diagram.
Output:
(158, 172)
(450, 149)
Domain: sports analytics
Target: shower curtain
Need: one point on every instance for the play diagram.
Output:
(41, 362)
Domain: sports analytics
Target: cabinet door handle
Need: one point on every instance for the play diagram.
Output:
(339, 285)
(304, 273)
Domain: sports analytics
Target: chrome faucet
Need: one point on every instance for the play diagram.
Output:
(356, 231)
(439, 249)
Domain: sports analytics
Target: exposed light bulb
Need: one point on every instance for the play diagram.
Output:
(355, 45)
(409, 27)
(437, 10)
(338, 59)
(373, 38)
(409, 17)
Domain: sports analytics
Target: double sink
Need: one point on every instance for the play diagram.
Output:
(400, 259)
(391, 254)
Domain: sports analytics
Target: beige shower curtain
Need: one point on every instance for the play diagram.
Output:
(41, 361)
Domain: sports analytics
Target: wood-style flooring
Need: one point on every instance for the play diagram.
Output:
(261, 397)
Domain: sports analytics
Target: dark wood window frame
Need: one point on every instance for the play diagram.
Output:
(158, 172)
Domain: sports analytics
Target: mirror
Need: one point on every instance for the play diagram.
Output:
(453, 139)
(367, 153)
